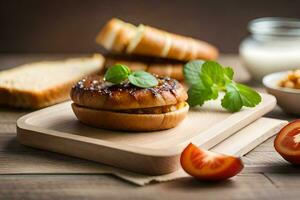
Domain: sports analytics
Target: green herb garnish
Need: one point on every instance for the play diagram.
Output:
(208, 79)
(119, 73)
(142, 79)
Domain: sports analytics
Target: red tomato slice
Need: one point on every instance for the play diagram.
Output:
(208, 165)
(287, 142)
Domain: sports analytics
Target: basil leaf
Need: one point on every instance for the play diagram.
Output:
(205, 80)
(117, 73)
(239, 95)
(249, 96)
(142, 79)
(232, 100)
(197, 95)
(228, 71)
(191, 71)
(215, 71)
(209, 78)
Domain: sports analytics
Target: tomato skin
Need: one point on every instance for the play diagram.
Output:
(233, 165)
(292, 159)
(285, 149)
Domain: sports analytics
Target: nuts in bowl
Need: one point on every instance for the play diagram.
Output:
(292, 80)
(284, 86)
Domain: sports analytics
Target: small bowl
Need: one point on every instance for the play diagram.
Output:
(288, 99)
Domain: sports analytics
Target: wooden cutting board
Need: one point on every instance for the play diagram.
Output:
(57, 129)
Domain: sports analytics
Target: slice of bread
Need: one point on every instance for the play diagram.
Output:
(41, 84)
(120, 37)
(150, 41)
(116, 35)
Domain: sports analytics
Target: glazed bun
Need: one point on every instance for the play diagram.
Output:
(126, 107)
(93, 92)
(129, 122)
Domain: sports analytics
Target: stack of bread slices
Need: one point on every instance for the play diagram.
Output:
(146, 48)
(37, 85)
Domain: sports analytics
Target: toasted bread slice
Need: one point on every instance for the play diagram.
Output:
(118, 36)
(41, 84)
(115, 35)
(150, 41)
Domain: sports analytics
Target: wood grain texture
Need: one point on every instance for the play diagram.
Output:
(10, 115)
(28, 173)
(83, 186)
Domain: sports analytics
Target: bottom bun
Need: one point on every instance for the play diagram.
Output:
(129, 122)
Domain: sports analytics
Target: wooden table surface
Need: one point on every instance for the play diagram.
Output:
(27, 173)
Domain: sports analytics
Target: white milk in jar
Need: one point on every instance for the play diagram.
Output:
(273, 46)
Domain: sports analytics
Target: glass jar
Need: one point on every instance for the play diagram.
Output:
(273, 46)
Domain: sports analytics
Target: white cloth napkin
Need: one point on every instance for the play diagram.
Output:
(238, 144)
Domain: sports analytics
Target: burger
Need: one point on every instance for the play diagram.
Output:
(127, 107)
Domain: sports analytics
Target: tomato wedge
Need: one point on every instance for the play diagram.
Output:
(207, 165)
(287, 142)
